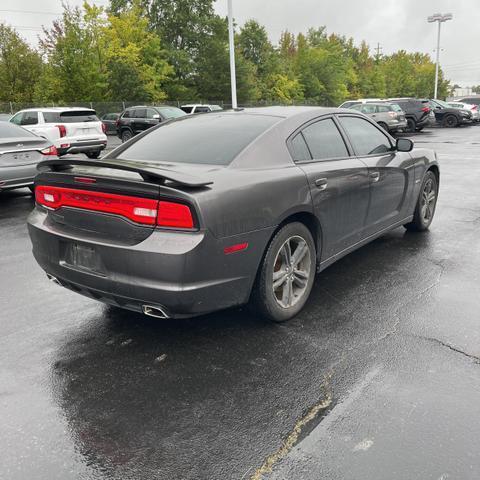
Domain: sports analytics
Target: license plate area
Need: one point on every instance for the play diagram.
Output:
(82, 257)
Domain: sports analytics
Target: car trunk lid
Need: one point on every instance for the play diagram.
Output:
(117, 202)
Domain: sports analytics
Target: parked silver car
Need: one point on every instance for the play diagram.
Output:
(20, 152)
(388, 115)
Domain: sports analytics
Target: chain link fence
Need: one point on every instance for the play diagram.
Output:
(9, 108)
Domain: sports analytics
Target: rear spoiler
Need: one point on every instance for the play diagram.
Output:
(148, 172)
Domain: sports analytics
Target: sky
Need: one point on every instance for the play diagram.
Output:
(394, 24)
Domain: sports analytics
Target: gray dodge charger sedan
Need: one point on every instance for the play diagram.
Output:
(212, 211)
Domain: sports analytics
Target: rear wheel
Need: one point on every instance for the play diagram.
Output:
(94, 154)
(126, 136)
(411, 125)
(286, 274)
(450, 121)
(426, 203)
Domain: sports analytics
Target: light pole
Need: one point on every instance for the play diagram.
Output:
(231, 45)
(440, 18)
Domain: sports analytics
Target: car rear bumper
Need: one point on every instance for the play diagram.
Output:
(185, 274)
(81, 147)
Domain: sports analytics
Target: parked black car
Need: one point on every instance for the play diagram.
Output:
(137, 119)
(448, 116)
(110, 122)
(212, 211)
(417, 112)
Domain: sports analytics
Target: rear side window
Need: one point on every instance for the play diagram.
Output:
(395, 108)
(187, 109)
(7, 130)
(204, 139)
(383, 109)
(299, 149)
(365, 137)
(71, 116)
(324, 140)
(202, 110)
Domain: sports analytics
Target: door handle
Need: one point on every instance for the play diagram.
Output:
(375, 176)
(321, 183)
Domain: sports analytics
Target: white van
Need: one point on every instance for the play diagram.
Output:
(70, 129)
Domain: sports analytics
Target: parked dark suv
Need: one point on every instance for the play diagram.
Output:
(449, 116)
(137, 119)
(417, 112)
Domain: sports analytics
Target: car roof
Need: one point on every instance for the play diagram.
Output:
(286, 111)
(151, 106)
(55, 109)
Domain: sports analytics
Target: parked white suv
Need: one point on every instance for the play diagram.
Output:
(70, 129)
(192, 108)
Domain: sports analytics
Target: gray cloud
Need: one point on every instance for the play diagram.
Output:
(395, 24)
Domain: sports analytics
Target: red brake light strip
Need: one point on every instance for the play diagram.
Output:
(144, 211)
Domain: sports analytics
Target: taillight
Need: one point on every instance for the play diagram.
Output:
(52, 150)
(426, 109)
(175, 215)
(393, 114)
(145, 211)
(475, 107)
(62, 130)
(104, 128)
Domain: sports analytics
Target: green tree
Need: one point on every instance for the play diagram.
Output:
(136, 63)
(73, 48)
(20, 67)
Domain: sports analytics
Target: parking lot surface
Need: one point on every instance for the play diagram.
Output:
(378, 377)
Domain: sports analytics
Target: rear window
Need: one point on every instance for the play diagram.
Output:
(72, 116)
(205, 139)
(9, 130)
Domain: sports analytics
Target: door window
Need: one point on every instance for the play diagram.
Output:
(202, 110)
(324, 140)
(30, 118)
(368, 109)
(151, 113)
(140, 113)
(365, 137)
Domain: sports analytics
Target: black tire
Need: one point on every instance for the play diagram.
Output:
(383, 125)
(411, 125)
(126, 135)
(94, 154)
(419, 129)
(420, 221)
(264, 298)
(450, 121)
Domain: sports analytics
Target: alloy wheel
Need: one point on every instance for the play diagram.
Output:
(291, 271)
(429, 196)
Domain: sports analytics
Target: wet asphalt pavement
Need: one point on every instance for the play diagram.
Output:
(378, 378)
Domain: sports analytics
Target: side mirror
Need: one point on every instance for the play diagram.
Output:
(156, 116)
(404, 145)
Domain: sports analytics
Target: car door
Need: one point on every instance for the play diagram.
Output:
(391, 173)
(338, 183)
(138, 120)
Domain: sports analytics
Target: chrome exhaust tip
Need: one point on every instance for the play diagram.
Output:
(53, 279)
(155, 311)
